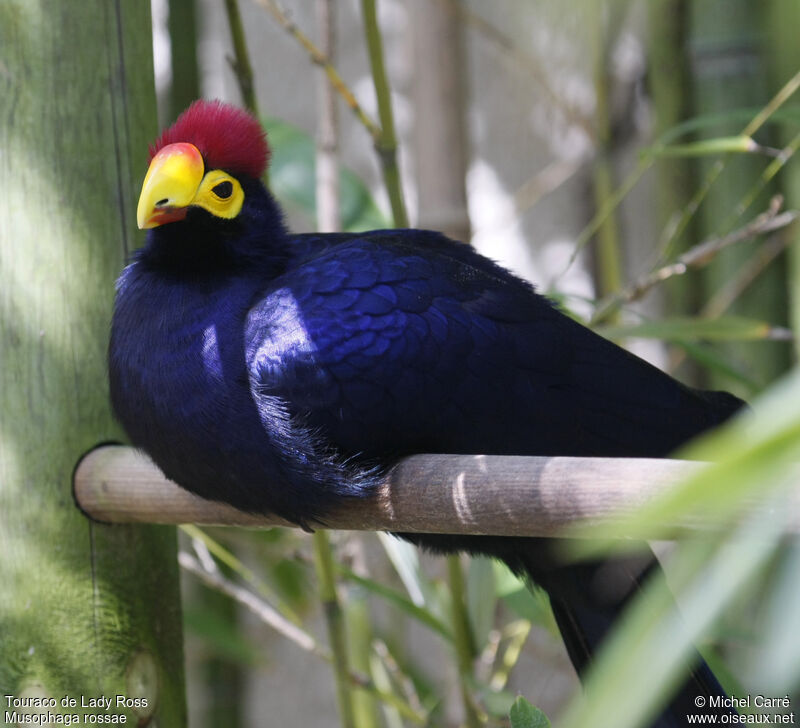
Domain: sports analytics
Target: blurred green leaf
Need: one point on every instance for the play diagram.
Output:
(679, 328)
(747, 489)
(292, 179)
(778, 668)
(525, 715)
(498, 703)
(291, 579)
(644, 658)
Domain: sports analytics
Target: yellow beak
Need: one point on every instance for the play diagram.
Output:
(170, 185)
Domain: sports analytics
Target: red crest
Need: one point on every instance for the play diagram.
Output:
(229, 138)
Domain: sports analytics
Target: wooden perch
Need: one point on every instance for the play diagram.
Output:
(463, 494)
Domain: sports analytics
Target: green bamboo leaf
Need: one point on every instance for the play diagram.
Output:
(405, 559)
(525, 715)
(680, 328)
(711, 358)
(740, 144)
(751, 456)
(400, 601)
(734, 117)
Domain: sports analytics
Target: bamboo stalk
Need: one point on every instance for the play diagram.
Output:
(462, 638)
(608, 251)
(328, 220)
(724, 35)
(241, 61)
(383, 135)
(784, 58)
(185, 85)
(386, 144)
(323, 562)
(675, 178)
(457, 494)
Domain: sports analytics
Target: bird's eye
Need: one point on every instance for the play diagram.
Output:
(223, 190)
(220, 194)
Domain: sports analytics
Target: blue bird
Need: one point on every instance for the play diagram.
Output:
(286, 373)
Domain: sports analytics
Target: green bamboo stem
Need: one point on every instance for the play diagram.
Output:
(185, 86)
(356, 626)
(378, 669)
(270, 616)
(784, 59)
(334, 618)
(386, 145)
(359, 633)
(383, 136)
(733, 24)
(462, 638)
(241, 63)
(671, 83)
(609, 248)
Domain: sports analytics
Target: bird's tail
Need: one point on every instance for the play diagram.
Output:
(589, 598)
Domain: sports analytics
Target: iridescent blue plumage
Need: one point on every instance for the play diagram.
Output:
(285, 373)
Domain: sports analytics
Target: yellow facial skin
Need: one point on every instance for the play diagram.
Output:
(176, 181)
(220, 194)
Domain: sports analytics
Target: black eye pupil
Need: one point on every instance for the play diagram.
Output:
(223, 190)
